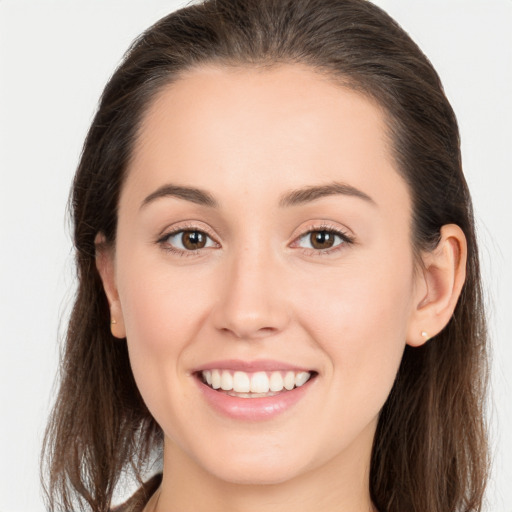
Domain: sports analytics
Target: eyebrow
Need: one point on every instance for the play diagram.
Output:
(312, 193)
(194, 195)
(293, 198)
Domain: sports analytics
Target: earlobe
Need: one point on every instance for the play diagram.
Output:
(106, 269)
(440, 284)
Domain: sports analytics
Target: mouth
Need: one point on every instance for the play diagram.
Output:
(258, 384)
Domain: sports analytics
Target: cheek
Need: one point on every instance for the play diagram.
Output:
(358, 298)
(161, 306)
(359, 317)
(162, 311)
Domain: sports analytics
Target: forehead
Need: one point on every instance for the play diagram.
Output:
(263, 129)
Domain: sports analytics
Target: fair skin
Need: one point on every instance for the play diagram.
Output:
(260, 287)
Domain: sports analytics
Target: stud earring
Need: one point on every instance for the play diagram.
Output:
(113, 321)
(425, 335)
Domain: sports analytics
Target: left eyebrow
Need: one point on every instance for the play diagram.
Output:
(312, 193)
(192, 194)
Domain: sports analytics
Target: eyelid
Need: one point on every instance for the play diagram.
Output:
(188, 225)
(183, 227)
(344, 233)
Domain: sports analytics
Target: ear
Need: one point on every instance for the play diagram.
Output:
(106, 269)
(438, 286)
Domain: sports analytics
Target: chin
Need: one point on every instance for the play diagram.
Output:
(252, 464)
(255, 474)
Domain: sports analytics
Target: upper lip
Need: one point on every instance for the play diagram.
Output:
(264, 365)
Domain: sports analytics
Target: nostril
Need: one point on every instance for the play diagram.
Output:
(246, 333)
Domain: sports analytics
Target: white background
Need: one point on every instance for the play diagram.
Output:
(55, 57)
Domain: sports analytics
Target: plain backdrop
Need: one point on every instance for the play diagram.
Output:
(56, 56)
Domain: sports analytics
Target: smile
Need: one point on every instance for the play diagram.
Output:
(255, 391)
(254, 384)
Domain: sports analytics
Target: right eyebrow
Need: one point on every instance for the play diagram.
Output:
(192, 194)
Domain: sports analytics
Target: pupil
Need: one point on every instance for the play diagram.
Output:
(193, 240)
(322, 239)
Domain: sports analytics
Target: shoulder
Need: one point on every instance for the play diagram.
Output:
(138, 501)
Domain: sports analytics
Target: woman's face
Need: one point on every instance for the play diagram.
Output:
(264, 239)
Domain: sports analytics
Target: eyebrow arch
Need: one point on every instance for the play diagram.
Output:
(293, 198)
(194, 195)
(312, 193)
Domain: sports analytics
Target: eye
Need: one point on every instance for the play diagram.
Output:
(323, 240)
(187, 240)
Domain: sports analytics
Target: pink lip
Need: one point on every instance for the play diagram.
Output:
(253, 409)
(263, 365)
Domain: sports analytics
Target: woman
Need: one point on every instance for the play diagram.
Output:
(278, 275)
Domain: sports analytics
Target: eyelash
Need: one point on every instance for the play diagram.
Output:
(346, 239)
(182, 229)
(324, 228)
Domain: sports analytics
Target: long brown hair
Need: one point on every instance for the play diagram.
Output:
(430, 449)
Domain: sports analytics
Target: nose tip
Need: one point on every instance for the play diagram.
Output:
(251, 316)
(249, 328)
(252, 302)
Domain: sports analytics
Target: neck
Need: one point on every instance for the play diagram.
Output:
(341, 483)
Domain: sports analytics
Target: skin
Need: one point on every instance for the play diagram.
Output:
(259, 291)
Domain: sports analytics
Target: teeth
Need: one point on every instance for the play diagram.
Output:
(289, 380)
(256, 383)
(301, 378)
(276, 381)
(226, 381)
(259, 383)
(241, 382)
(215, 379)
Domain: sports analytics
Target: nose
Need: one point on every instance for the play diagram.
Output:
(252, 301)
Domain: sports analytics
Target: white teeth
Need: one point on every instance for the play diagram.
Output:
(215, 379)
(226, 381)
(289, 380)
(259, 383)
(301, 378)
(256, 383)
(276, 381)
(241, 382)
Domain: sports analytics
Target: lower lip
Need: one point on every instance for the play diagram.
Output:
(253, 409)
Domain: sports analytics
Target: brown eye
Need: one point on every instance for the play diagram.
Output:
(187, 240)
(321, 239)
(193, 240)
